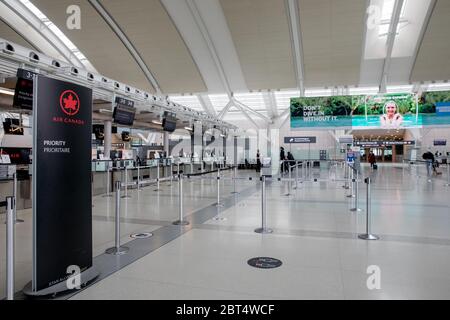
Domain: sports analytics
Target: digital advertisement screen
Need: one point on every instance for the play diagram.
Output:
(321, 112)
(382, 111)
(385, 111)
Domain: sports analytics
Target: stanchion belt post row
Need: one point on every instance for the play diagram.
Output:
(263, 228)
(117, 249)
(126, 182)
(10, 239)
(368, 235)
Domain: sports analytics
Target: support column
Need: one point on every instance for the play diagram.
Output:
(166, 143)
(107, 141)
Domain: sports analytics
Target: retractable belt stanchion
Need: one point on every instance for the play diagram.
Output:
(10, 255)
(117, 249)
(263, 228)
(355, 188)
(15, 198)
(234, 180)
(368, 235)
(171, 172)
(218, 204)
(126, 183)
(157, 176)
(181, 221)
(289, 182)
(108, 181)
(138, 178)
(352, 186)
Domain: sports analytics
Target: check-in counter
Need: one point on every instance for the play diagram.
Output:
(24, 194)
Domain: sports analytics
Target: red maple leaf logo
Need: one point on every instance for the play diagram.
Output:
(69, 102)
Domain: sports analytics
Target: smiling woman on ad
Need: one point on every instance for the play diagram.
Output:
(391, 118)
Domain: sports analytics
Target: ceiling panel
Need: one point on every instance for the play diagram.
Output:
(260, 33)
(150, 29)
(332, 35)
(97, 42)
(6, 32)
(433, 57)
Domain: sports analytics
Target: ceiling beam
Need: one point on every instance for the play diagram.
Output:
(127, 43)
(207, 105)
(271, 104)
(210, 44)
(19, 9)
(225, 110)
(247, 116)
(250, 110)
(390, 43)
(293, 14)
(422, 35)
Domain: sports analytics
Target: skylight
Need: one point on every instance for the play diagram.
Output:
(53, 28)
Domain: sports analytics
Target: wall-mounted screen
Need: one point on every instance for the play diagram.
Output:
(12, 126)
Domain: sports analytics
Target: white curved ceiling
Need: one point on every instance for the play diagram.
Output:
(202, 52)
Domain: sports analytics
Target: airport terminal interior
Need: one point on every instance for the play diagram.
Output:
(224, 149)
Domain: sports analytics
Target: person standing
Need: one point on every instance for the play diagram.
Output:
(371, 159)
(282, 159)
(258, 161)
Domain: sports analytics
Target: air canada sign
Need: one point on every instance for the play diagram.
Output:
(70, 106)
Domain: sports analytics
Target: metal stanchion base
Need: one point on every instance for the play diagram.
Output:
(234, 192)
(368, 236)
(350, 196)
(355, 209)
(180, 223)
(219, 218)
(126, 196)
(117, 251)
(219, 205)
(263, 230)
(287, 194)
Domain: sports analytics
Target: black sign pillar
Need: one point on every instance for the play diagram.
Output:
(62, 199)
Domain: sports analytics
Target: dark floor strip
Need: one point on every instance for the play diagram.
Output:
(109, 264)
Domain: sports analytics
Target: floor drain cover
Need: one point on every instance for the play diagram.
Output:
(141, 235)
(264, 262)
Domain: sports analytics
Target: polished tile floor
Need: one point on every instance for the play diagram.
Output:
(315, 236)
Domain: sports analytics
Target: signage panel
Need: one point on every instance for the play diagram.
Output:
(62, 203)
(299, 139)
